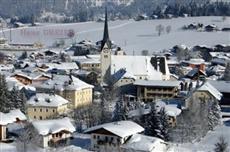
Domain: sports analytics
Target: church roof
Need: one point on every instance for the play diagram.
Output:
(106, 39)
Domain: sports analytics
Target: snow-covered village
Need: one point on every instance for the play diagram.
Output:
(114, 76)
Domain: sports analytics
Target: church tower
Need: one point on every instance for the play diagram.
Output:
(106, 53)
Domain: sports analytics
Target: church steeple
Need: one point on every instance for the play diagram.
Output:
(106, 39)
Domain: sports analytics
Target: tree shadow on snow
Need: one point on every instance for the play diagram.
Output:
(147, 35)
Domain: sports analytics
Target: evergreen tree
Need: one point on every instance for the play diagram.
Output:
(9, 100)
(214, 115)
(5, 105)
(153, 123)
(221, 145)
(121, 111)
(164, 129)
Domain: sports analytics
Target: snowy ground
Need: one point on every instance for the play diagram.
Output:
(131, 35)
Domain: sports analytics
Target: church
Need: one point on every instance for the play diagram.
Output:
(120, 69)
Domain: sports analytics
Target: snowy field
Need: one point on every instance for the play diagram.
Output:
(132, 36)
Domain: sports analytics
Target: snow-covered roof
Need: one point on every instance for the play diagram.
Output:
(212, 90)
(157, 83)
(170, 109)
(62, 65)
(144, 143)
(47, 100)
(31, 76)
(222, 86)
(12, 116)
(136, 66)
(13, 82)
(195, 61)
(120, 128)
(139, 112)
(45, 127)
(61, 82)
(89, 61)
(195, 71)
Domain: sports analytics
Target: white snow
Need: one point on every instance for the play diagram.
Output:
(135, 66)
(45, 127)
(207, 144)
(130, 35)
(144, 143)
(120, 128)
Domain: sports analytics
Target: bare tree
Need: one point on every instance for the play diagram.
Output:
(145, 52)
(25, 138)
(168, 29)
(159, 29)
(224, 18)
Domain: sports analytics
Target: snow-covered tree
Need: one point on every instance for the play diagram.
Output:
(221, 145)
(214, 116)
(26, 137)
(152, 126)
(18, 99)
(227, 72)
(164, 124)
(5, 103)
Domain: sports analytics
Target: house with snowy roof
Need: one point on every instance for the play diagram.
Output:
(53, 132)
(203, 91)
(44, 106)
(29, 78)
(69, 87)
(195, 63)
(14, 116)
(110, 136)
(208, 91)
(149, 90)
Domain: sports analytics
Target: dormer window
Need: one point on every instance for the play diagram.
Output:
(47, 100)
(36, 99)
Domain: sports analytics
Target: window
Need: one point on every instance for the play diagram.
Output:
(40, 110)
(60, 135)
(34, 117)
(40, 117)
(47, 110)
(34, 110)
(53, 110)
(105, 56)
